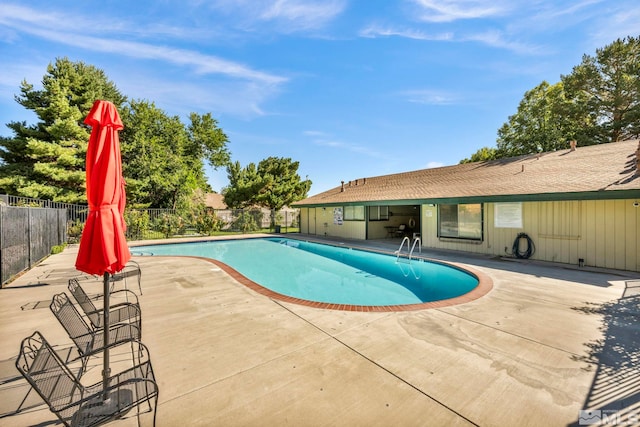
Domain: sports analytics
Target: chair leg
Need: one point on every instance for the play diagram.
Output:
(24, 400)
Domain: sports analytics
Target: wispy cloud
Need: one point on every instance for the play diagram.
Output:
(492, 38)
(314, 133)
(620, 24)
(323, 140)
(552, 11)
(453, 10)
(430, 97)
(77, 32)
(432, 165)
(287, 15)
(373, 31)
(499, 40)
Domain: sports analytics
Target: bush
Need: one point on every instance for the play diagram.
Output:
(207, 222)
(74, 230)
(168, 224)
(137, 222)
(58, 248)
(245, 222)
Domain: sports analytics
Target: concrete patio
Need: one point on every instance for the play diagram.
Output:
(548, 341)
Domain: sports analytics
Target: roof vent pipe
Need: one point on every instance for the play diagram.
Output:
(342, 188)
(573, 144)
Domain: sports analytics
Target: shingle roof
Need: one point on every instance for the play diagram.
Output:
(215, 201)
(596, 168)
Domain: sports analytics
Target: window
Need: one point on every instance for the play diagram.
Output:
(460, 221)
(378, 213)
(354, 213)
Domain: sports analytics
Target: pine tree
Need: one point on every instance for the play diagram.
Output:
(47, 160)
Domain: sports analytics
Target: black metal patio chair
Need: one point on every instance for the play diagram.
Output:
(76, 404)
(122, 312)
(88, 340)
(131, 269)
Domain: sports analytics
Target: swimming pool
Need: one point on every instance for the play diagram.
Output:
(329, 274)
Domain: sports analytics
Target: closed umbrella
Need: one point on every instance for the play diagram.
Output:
(103, 246)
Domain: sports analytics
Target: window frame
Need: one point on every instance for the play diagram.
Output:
(354, 213)
(379, 213)
(446, 218)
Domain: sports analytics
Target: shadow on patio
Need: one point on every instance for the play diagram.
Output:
(614, 396)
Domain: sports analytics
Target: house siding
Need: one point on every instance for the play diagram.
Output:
(320, 222)
(604, 233)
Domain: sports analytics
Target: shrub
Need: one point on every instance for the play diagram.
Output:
(245, 222)
(207, 222)
(168, 224)
(58, 248)
(137, 222)
(74, 230)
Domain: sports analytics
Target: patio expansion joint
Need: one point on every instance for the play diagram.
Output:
(378, 365)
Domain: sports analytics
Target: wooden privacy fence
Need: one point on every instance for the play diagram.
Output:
(27, 235)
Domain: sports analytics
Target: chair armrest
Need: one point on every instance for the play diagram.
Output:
(130, 296)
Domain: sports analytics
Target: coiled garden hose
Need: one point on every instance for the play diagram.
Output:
(516, 246)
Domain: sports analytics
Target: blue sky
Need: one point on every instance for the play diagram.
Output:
(349, 88)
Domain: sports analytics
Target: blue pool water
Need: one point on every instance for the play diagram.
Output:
(329, 274)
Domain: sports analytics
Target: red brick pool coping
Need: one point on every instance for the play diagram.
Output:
(485, 284)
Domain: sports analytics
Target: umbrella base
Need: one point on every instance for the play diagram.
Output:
(99, 410)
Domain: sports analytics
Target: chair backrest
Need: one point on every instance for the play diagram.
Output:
(84, 302)
(72, 322)
(48, 375)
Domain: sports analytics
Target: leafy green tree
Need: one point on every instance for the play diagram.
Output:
(244, 185)
(207, 141)
(542, 123)
(47, 159)
(156, 173)
(483, 154)
(607, 88)
(163, 160)
(273, 184)
(598, 102)
(281, 184)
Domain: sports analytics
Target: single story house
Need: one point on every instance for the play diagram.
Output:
(576, 206)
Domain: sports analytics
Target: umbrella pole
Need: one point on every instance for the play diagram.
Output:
(105, 324)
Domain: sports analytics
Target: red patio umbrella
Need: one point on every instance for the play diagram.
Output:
(103, 246)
